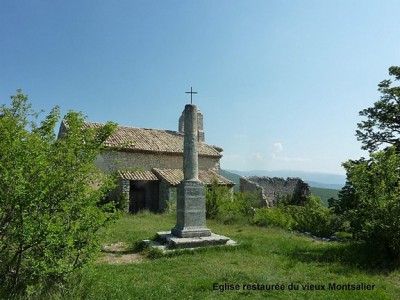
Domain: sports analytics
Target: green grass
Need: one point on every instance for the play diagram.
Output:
(265, 256)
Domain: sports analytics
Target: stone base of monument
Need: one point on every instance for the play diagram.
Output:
(170, 241)
(191, 210)
(191, 232)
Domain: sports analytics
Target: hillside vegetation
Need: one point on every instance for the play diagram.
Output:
(232, 177)
(324, 194)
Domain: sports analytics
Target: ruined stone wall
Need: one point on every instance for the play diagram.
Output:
(271, 190)
(252, 187)
(113, 161)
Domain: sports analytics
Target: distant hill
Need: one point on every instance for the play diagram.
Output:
(232, 177)
(331, 186)
(324, 194)
(314, 179)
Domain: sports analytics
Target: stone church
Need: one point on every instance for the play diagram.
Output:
(149, 164)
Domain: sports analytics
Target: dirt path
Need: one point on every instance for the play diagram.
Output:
(117, 254)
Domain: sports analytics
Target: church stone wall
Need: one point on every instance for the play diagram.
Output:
(118, 160)
(167, 193)
(270, 190)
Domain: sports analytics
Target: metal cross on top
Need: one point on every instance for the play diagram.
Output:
(191, 94)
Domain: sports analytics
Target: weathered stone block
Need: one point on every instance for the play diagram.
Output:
(191, 210)
(173, 242)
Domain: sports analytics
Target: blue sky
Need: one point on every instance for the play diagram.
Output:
(280, 83)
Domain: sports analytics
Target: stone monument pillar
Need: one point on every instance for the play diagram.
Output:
(190, 230)
(191, 201)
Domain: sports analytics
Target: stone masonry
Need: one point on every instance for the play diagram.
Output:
(271, 189)
(118, 160)
(191, 203)
(200, 129)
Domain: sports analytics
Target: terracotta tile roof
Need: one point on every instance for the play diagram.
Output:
(172, 176)
(208, 176)
(137, 175)
(151, 140)
(175, 176)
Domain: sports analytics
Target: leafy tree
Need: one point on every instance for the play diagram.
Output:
(382, 126)
(370, 198)
(347, 196)
(374, 208)
(49, 190)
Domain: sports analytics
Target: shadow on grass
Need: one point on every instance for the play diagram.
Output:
(349, 256)
(121, 252)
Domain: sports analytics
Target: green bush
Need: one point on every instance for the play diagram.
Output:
(171, 206)
(228, 207)
(313, 217)
(49, 197)
(275, 217)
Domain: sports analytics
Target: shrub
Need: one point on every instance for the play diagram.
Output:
(275, 217)
(217, 198)
(171, 206)
(228, 207)
(49, 195)
(313, 217)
